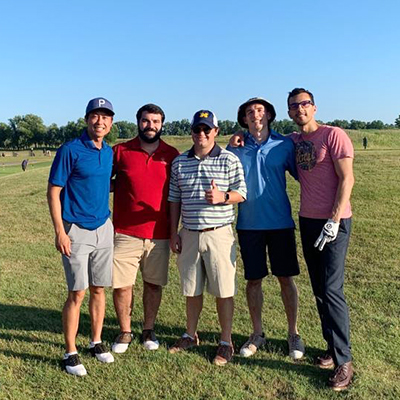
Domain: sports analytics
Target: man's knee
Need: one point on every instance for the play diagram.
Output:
(152, 287)
(76, 297)
(96, 290)
(254, 284)
(286, 281)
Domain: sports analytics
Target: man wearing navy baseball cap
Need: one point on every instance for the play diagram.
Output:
(205, 182)
(78, 194)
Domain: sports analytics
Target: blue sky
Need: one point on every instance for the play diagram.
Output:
(184, 56)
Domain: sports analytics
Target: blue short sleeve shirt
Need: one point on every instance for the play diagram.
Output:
(84, 173)
(267, 206)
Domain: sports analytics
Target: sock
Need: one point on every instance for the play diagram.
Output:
(187, 335)
(66, 355)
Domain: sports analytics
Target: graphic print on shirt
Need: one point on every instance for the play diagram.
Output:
(306, 155)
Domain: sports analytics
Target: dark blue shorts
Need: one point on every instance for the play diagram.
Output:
(282, 254)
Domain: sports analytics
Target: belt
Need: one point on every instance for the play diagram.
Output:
(207, 229)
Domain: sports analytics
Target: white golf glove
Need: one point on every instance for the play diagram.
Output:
(328, 234)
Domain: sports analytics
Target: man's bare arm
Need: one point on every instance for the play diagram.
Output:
(62, 241)
(344, 170)
(175, 240)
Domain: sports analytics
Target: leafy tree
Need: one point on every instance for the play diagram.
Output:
(227, 127)
(126, 129)
(376, 124)
(397, 122)
(53, 136)
(37, 130)
(26, 131)
(341, 123)
(112, 136)
(73, 130)
(20, 137)
(284, 126)
(354, 124)
(5, 134)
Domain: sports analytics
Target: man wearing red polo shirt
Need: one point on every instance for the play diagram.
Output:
(141, 220)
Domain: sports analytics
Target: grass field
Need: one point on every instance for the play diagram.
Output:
(32, 293)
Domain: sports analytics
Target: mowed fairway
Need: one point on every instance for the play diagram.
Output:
(33, 290)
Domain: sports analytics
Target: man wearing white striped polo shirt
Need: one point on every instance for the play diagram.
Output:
(205, 182)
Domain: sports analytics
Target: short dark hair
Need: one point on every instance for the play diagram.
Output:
(297, 91)
(152, 109)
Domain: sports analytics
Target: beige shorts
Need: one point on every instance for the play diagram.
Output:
(132, 253)
(208, 257)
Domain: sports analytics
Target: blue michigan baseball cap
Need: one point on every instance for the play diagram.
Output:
(204, 117)
(99, 103)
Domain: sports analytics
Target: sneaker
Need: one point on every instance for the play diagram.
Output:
(325, 361)
(100, 352)
(224, 354)
(72, 364)
(342, 377)
(122, 342)
(149, 339)
(184, 342)
(252, 345)
(296, 346)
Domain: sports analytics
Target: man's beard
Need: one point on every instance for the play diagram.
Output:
(148, 139)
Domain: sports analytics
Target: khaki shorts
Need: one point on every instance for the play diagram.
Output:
(208, 256)
(90, 262)
(132, 253)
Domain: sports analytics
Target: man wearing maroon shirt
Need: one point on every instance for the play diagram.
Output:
(141, 220)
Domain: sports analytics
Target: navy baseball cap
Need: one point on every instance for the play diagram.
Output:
(99, 103)
(255, 100)
(204, 117)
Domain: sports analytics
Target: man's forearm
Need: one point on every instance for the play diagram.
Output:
(54, 202)
(343, 194)
(175, 213)
(234, 198)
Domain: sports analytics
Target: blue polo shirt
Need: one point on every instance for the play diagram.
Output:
(84, 173)
(267, 205)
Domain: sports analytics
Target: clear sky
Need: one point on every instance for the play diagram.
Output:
(187, 55)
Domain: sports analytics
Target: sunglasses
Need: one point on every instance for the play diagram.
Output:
(304, 104)
(198, 129)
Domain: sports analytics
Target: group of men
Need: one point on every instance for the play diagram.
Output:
(163, 201)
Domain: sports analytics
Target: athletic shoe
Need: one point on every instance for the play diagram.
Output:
(325, 361)
(252, 345)
(296, 346)
(122, 342)
(224, 354)
(149, 339)
(72, 364)
(184, 342)
(100, 352)
(342, 377)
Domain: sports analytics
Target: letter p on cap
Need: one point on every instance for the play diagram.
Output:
(101, 102)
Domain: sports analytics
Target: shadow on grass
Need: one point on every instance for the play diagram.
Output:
(23, 318)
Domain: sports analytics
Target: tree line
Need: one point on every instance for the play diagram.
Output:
(29, 131)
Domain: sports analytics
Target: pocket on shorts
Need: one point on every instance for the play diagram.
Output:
(67, 226)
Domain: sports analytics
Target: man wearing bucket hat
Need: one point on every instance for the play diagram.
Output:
(206, 181)
(78, 194)
(265, 222)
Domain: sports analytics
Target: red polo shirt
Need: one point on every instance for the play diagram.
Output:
(141, 189)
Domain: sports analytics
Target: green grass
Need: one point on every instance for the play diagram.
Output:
(32, 293)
